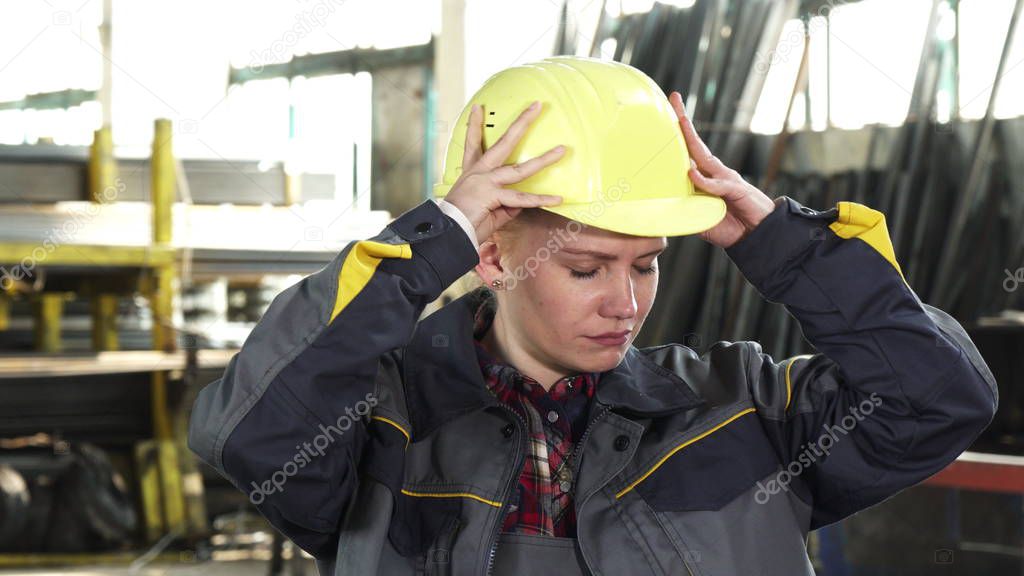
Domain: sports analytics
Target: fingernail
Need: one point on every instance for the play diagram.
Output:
(473, 109)
(559, 148)
(535, 105)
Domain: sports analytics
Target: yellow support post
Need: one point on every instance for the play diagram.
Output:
(5, 312)
(102, 167)
(162, 181)
(47, 310)
(161, 299)
(104, 322)
(172, 487)
(147, 469)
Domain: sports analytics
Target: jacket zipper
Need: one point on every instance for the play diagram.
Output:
(514, 477)
(575, 467)
(574, 457)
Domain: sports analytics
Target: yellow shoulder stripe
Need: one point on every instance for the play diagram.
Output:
(858, 221)
(789, 383)
(451, 495)
(622, 492)
(359, 266)
(396, 425)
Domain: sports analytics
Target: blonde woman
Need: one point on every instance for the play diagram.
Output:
(517, 430)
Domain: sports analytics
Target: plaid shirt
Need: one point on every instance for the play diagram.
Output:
(555, 420)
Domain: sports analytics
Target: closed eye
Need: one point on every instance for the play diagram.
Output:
(592, 273)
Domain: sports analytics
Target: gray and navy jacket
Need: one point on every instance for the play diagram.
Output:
(366, 435)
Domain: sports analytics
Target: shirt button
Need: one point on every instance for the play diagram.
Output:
(564, 486)
(552, 416)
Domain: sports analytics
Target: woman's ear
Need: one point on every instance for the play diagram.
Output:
(490, 268)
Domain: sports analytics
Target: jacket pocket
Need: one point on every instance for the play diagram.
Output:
(710, 470)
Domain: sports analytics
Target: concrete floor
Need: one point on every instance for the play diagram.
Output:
(211, 568)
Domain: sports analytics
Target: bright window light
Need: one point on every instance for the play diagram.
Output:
(983, 25)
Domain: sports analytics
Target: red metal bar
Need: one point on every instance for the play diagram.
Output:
(983, 472)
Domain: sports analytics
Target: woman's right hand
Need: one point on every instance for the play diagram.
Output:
(479, 191)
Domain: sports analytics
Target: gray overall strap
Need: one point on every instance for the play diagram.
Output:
(523, 554)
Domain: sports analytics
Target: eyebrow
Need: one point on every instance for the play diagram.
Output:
(605, 255)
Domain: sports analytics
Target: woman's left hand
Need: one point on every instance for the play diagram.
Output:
(746, 205)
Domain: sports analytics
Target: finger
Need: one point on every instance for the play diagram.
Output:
(517, 199)
(515, 172)
(471, 154)
(496, 154)
(699, 151)
(724, 189)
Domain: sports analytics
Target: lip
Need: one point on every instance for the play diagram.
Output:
(611, 338)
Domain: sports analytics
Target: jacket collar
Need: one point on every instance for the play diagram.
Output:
(443, 378)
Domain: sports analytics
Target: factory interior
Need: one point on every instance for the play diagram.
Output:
(168, 168)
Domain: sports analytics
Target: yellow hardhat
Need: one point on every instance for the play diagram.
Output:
(625, 166)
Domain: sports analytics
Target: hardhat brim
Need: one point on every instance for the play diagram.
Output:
(673, 216)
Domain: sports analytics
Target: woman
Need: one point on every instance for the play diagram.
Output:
(517, 430)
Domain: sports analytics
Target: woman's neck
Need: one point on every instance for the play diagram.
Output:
(506, 347)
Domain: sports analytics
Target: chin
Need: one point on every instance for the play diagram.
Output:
(601, 361)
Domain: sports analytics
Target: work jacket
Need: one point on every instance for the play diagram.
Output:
(367, 436)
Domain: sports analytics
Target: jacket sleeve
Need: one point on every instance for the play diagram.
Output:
(284, 423)
(896, 389)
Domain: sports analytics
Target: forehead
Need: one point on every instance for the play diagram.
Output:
(575, 236)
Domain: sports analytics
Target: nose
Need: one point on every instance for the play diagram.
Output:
(620, 300)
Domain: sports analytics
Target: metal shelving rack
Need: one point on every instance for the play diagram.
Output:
(171, 503)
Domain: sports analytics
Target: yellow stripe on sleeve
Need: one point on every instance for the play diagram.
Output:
(359, 266)
(858, 221)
